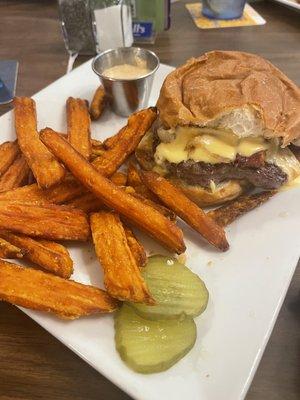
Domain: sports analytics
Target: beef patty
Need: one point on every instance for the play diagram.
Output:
(267, 176)
(254, 169)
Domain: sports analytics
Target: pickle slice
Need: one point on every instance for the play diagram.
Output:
(148, 346)
(175, 288)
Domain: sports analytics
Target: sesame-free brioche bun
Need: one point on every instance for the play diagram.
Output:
(233, 90)
(226, 191)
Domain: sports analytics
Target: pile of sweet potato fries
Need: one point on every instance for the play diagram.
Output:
(66, 186)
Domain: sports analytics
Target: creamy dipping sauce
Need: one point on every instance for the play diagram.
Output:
(125, 71)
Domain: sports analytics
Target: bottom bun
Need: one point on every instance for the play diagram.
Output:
(202, 196)
(206, 197)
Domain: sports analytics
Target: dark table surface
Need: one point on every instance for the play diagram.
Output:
(33, 364)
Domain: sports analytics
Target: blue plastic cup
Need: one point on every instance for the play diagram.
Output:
(223, 9)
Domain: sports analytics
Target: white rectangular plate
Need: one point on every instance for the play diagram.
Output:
(247, 284)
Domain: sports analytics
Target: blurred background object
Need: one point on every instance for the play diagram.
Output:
(76, 26)
(92, 26)
(149, 19)
(223, 9)
(293, 4)
(112, 23)
(249, 17)
(8, 80)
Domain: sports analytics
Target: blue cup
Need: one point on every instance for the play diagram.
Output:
(223, 9)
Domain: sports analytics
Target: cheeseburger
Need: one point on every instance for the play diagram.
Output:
(226, 120)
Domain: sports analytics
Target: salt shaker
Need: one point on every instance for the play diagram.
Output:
(76, 24)
(112, 23)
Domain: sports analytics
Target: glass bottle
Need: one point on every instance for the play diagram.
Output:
(112, 23)
(149, 19)
(223, 9)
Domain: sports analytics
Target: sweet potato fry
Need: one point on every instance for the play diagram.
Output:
(107, 163)
(112, 140)
(37, 290)
(138, 124)
(159, 207)
(57, 247)
(119, 178)
(47, 221)
(97, 149)
(31, 178)
(136, 247)
(9, 151)
(16, 175)
(133, 176)
(98, 103)
(228, 213)
(8, 250)
(134, 180)
(110, 161)
(78, 121)
(142, 190)
(186, 209)
(87, 203)
(51, 256)
(97, 152)
(46, 169)
(128, 189)
(138, 213)
(59, 194)
(97, 144)
(122, 277)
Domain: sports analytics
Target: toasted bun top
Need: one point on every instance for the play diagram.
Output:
(218, 82)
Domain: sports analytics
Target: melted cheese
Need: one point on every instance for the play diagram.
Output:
(225, 135)
(251, 145)
(205, 144)
(199, 153)
(176, 150)
(218, 146)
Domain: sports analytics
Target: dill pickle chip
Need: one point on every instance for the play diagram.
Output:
(149, 346)
(175, 288)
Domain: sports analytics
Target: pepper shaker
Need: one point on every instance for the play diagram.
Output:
(76, 25)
